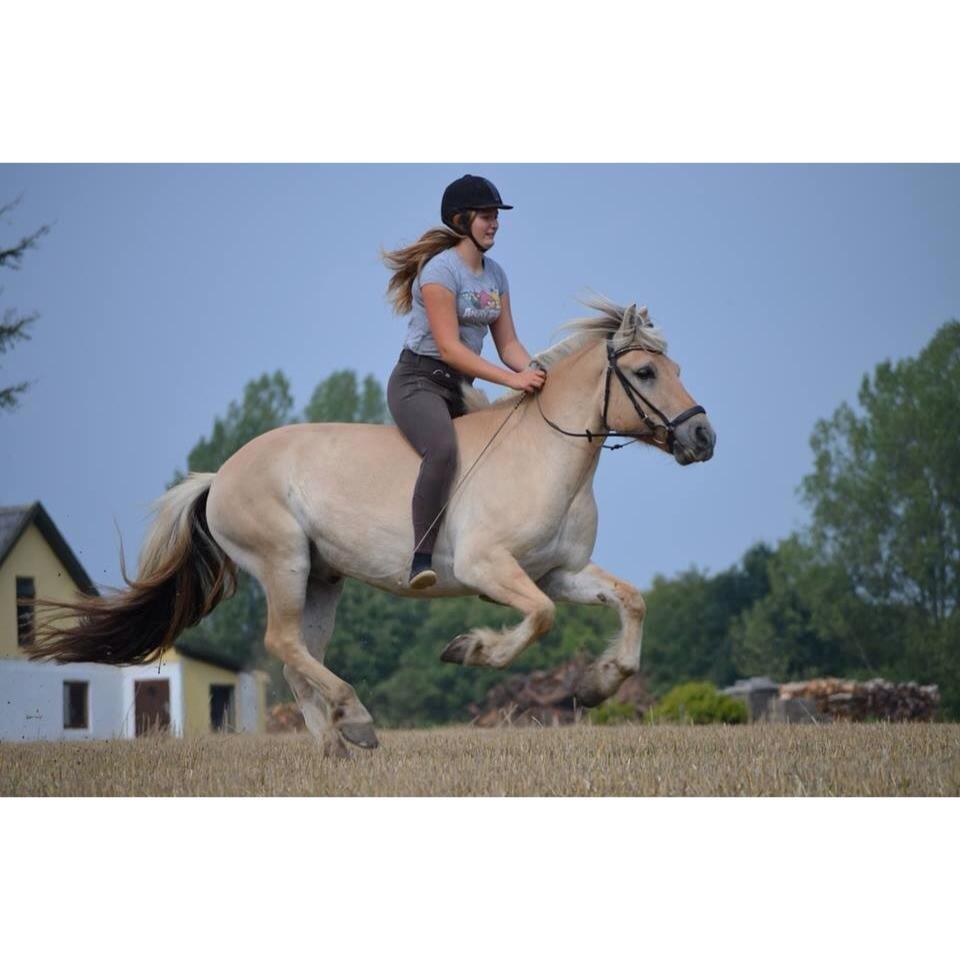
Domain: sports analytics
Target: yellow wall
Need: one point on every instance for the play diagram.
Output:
(197, 677)
(31, 557)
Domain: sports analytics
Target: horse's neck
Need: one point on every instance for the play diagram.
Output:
(572, 396)
(572, 399)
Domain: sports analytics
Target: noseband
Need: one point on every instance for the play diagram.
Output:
(663, 434)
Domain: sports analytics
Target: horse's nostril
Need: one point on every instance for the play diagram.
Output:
(704, 437)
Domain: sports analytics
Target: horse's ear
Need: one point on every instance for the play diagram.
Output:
(629, 321)
(644, 317)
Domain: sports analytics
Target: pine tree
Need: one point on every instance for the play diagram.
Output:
(14, 325)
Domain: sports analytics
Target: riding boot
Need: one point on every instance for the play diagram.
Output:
(422, 574)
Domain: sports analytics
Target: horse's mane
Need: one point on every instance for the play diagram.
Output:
(586, 330)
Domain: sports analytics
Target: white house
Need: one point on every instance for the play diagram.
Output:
(189, 691)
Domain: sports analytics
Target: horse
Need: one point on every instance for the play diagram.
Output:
(305, 506)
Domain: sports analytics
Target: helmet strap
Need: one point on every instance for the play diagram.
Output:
(468, 232)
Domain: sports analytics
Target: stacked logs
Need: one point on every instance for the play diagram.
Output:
(546, 698)
(873, 700)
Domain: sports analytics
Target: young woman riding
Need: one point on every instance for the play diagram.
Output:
(453, 292)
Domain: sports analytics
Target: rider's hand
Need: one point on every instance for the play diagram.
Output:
(529, 380)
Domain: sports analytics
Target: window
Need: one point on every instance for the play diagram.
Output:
(26, 593)
(221, 707)
(75, 697)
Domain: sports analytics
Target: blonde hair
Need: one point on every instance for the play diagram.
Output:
(407, 262)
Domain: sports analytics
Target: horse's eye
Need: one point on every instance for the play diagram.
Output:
(645, 373)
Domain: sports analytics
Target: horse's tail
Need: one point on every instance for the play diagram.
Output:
(183, 574)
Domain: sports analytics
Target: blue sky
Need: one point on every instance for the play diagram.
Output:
(163, 289)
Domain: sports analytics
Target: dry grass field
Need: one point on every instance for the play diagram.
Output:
(837, 760)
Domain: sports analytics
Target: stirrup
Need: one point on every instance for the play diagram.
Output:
(422, 580)
(422, 574)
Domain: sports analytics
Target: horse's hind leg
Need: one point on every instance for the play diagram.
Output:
(319, 612)
(288, 607)
(495, 573)
(594, 585)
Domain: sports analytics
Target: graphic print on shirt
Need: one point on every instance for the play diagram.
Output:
(480, 306)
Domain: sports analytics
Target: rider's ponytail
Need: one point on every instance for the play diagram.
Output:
(407, 262)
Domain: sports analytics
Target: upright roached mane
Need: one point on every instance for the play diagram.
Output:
(609, 324)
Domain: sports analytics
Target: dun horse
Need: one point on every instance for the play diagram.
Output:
(305, 506)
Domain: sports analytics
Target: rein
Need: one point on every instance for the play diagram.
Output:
(663, 434)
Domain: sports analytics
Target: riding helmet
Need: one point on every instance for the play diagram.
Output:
(469, 193)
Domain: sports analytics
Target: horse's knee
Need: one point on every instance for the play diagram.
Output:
(278, 644)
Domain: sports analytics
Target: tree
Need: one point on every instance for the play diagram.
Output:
(686, 632)
(885, 495)
(809, 623)
(337, 400)
(267, 404)
(13, 326)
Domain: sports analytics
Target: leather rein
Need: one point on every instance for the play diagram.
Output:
(662, 434)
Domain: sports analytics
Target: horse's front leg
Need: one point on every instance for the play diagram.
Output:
(496, 574)
(621, 659)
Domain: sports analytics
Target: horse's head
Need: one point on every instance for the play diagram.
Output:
(644, 396)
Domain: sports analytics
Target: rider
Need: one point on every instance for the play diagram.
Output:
(453, 291)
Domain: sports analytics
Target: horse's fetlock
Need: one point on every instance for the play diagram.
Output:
(632, 599)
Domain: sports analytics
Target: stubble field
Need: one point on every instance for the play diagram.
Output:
(583, 760)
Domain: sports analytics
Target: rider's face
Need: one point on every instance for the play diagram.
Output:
(484, 227)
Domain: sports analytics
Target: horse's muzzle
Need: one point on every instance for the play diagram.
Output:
(694, 441)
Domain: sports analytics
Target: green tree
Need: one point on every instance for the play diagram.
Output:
(686, 633)
(337, 399)
(267, 404)
(885, 495)
(809, 623)
(14, 325)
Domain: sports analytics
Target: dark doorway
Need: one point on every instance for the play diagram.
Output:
(151, 700)
(221, 707)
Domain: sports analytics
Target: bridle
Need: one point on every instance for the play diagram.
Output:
(662, 434)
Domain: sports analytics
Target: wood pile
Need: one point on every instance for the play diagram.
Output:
(285, 718)
(546, 698)
(874, 699)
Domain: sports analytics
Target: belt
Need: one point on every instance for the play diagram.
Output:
(430, 364)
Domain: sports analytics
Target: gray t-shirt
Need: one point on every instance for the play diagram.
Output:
(478, 298)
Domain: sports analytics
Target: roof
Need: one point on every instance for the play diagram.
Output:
(189, 645)
(14, 521)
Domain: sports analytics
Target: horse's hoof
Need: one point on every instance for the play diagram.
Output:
(598, 683)
(359, 734)
(456, 650)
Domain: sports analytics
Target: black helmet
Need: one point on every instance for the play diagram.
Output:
(469, 193)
